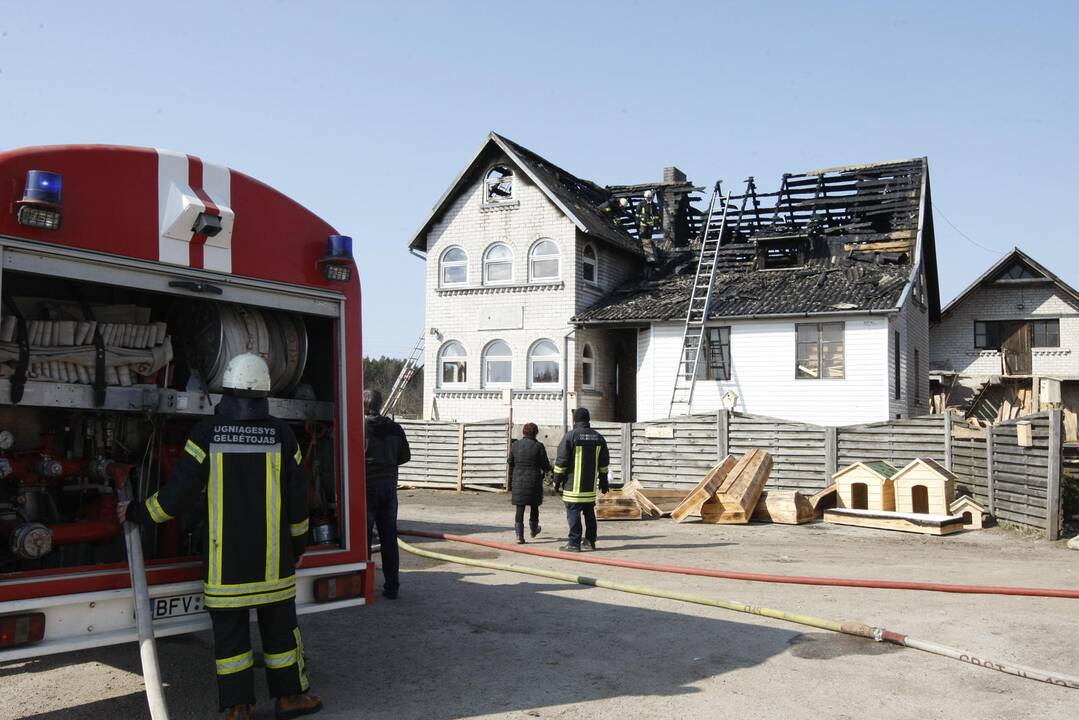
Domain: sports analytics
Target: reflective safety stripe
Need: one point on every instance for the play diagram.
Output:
(578, 455)
(587, 497)
(605, 468)
(249, 588)
(298, 456)
(215, 508)
(300, 528)
(242, 601)
(301, 661)
(559, 470)
(195, 451)
(595, 471)
(277, 661)
(157, 513)
(234, 664)
(273, 514)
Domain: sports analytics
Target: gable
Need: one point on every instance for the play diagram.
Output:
(1014, 269)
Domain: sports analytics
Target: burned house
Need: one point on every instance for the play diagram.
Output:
(1008, 345)
(555, 292)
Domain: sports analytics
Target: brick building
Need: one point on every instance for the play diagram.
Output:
(559, 292)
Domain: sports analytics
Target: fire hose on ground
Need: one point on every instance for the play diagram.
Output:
(878, 634)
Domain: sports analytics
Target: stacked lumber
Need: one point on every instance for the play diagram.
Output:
(704, 491)
(625, 504)
(787, 507)
(736, 497)
(905, 522)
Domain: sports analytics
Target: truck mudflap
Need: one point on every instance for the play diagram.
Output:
(95, 619)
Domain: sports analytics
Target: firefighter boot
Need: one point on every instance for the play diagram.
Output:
(292, 706)
(520, 528)
(238, 712)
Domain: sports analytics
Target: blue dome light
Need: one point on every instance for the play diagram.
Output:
(43, 187)
(339, 246)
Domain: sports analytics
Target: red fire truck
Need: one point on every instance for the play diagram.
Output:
(130, 277)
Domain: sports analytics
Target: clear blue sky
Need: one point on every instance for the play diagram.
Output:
(366, 112)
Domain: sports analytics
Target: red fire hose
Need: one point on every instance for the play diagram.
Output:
(757, 577)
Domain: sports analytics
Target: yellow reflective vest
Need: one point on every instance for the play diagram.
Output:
(582, 461)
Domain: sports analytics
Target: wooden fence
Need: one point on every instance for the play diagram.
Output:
(1017, 482)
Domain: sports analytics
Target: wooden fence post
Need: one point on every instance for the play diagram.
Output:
(627, 452)
(948, 441)
(723, 435)
(509, 445)
(831, 454)
(460, 457)
(1052, 490)
(989, 490)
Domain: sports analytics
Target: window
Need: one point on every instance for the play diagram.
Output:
(819, 350)
(897, 356)
(497, 364)
(987, 335)
(543, 364)
(498, 185)
(1018, 271)
(453, 267)
(452, 364)
(588, 368)
(1046, 333)
(588, 265)
(717, 365)
(543, 261)
(498, 265)
(778, 254)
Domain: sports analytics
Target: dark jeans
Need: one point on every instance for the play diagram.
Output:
(382, 514)
(533, 515)
(573, 515)
(282, 652)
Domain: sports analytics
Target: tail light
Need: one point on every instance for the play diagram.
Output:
(339, 587)
(21, 629)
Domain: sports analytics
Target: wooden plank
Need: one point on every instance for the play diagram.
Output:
(723, 434)
(823, 500)
(990, 495)
(662, 499)
(460, 457)
(787, 507)
(735, 499)
(705, 489)
(905, 522)
(1052, 531)
(831, 452)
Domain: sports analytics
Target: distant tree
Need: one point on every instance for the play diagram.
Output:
(382, 372)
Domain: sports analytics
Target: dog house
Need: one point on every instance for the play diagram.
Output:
(866, 486)
(972, 513)
(924, 486)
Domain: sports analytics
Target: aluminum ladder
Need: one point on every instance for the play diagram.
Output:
(700, 300)
(408, 370)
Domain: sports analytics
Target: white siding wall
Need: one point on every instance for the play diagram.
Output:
(762, 359)
(912, 324)
(953, 337)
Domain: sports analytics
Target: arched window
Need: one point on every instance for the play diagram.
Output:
(498, 185)
(588, 368)
(543, 261)
(452, 365)
(497, 364)
(497, 264)
(453, 268)
(543, 365)
(588, 265)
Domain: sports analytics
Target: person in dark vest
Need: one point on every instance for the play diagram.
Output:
(528, 464)
(249, 465)
(579, 470)
(385, 448)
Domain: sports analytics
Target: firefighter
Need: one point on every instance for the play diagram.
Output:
(580, 468)
(256, 498)
(385, 448)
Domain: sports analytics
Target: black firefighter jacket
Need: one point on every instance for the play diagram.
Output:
(582, 460)
(256, 500)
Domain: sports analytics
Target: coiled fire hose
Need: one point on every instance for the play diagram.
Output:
(878, 634)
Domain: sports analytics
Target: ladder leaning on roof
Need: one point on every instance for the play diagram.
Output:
(700, 300)
(404, 377)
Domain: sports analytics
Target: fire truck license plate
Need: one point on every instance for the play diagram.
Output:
(175, 605)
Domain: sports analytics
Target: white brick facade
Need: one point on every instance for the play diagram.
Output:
(953, 338)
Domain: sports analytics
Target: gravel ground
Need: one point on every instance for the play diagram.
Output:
(471, 643)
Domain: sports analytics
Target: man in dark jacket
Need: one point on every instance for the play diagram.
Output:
(249, 464)
(386, 447)
(580, 468)
(528, 464)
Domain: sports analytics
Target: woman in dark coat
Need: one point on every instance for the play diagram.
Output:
(528, 464)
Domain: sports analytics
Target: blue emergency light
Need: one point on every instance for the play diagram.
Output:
(337, 264)
(339, 246)
(43, 187)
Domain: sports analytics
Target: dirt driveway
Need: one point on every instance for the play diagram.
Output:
(470, 643)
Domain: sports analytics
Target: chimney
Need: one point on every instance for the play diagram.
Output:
(672, 176)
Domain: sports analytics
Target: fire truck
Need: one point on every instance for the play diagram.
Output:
(129, 278)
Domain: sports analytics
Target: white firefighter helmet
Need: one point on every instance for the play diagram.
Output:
(247, 373)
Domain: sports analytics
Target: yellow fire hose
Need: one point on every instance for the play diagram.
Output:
(878, 634)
